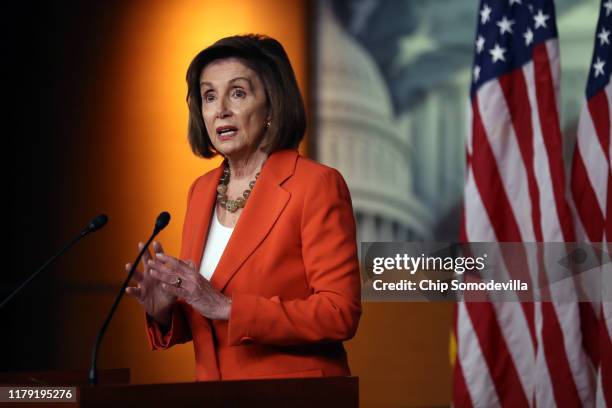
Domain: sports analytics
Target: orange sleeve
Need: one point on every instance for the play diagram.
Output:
(179, 331)
(329, 251)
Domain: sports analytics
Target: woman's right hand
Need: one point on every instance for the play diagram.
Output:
(148, 290)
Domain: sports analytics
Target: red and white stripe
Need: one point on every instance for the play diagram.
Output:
(520, 354)
(591, 186)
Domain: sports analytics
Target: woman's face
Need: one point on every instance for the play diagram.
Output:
(234, 107)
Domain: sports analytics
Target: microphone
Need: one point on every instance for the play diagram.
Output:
(94, 225)
(160, 223)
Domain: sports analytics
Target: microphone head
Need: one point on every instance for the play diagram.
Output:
(97, 223)
(162, 221)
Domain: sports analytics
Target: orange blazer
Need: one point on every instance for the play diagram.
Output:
(290, 268)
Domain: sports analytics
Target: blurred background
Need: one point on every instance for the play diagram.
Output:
(96, 122)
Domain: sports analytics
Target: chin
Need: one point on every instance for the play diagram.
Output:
(228, 151)
(226, 146)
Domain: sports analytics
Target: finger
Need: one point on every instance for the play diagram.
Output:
(155, 264)
(157, 247)
(138, 276)
(164, 274)
(167, 259)
(145, 256)
(176, 268)
(188, 270)
(173, 290)
(168, 284)
(187, 266)
(170, 265)
(134, 291)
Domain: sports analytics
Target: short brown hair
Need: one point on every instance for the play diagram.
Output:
(267, 58)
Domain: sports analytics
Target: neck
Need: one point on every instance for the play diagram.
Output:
(246, 167)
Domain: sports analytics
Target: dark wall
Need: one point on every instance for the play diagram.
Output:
(52, 52)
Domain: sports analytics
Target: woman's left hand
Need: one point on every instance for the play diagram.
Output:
(181, 279)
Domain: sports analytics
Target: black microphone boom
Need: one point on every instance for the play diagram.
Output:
(94, 225)
(160, 223)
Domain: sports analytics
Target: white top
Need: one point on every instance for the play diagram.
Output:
(218, 237)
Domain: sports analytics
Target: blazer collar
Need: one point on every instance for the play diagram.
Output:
(265, 204)
(279, 166)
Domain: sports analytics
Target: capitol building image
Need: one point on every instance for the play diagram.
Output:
(358, 134)
(398, 136)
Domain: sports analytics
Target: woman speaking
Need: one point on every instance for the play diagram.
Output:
(267, 283)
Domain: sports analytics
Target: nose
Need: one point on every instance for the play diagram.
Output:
(222, 109)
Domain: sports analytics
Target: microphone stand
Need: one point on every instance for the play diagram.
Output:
(93, 371)
(95, 224)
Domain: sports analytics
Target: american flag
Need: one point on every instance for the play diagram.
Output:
(591, 185)
(519, 354)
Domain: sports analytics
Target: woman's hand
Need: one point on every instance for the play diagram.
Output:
(183, 280)
(149, 291)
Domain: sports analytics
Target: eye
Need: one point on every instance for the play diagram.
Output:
(208, 97)
(238, 93)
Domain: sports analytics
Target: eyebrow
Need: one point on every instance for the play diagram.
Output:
(231, 81)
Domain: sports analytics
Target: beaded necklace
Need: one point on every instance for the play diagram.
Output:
(232, 205)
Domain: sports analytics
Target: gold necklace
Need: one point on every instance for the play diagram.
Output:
(232, 205)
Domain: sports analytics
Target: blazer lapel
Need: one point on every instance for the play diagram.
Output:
(265, 205)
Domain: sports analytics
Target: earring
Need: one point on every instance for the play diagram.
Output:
(268, 123)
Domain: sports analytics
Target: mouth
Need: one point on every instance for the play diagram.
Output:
(226, 132)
